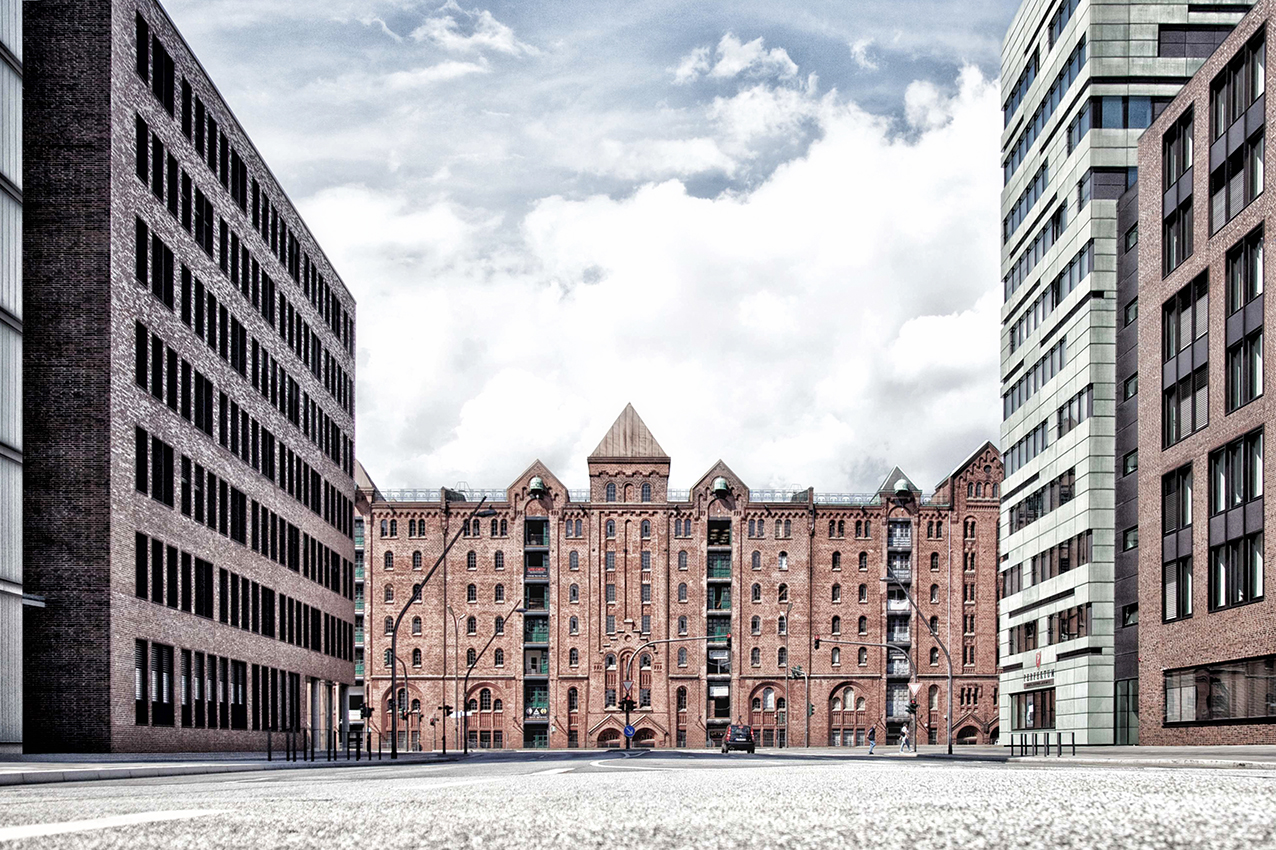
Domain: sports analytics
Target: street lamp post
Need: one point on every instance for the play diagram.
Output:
(629, 667)
(456, 675)
(465, 689)
(788, 704)
(948, 720)
(477, 511)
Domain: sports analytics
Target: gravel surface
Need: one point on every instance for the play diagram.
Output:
(671, 801)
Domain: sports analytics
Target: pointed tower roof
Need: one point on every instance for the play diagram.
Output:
(364, 482)
(891, 481)
(629, 438)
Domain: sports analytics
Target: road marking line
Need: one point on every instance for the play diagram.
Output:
(552, 771)
(13, 833)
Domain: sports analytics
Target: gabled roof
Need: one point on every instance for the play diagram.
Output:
(894, 477)
(961, 467)
(629, 438)
(363, 481)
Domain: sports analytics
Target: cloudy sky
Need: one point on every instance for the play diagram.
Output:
(770, 226)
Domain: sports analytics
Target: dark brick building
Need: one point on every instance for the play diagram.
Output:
(708, 600)
(188, 405)
(1206, 626)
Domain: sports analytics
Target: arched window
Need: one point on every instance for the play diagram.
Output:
(752, 529)
(782, 625)
(498, 593)
(499, 625)
(788, 528)
(860, 704)
(495, 528)
(573, 593)
(859, 528)
(416, 658)
(682, 560)
(573, 626)
(837, 560)
(579, 526)
(755, 657)
(573, 561)
(768, 700)
(682, 625)
(646, 492)
(611, 528)
(389, 560)
(779, 528)
(504, 528)
(863, 593)
(755, 625)
(979, 490)
(841, 528)
(782, 656)
(862, 626)
(682, 591)
(389, 593)
(471, 560)
(939, 531)
(471, 593)
(863, 561)
(932, 695)
(970, 491)
(485, 700)
(837, 656)
(934, 657)
(934, 625)
(471, 657)
(930, 529)
(934, 562)
(394, 528)
(644, 663)
(416, 560)
(784, 560)
(682, 657)
(755, 560)
(498, 560)
(610, 662)
(498, 657)
(836, 627)
(837, 704)
(934, 593)
(783, 595)
(868, 528)
(682, 699)
(497, 705)
(863, 656)
(645, 528)
(970, 529)
(837, 593)
(471, 625)
(416, 593)
(756, 592)
(832, 527)
(385, 528)
(389, 625)
(386, 658)
(573, 656)
(611, 492)
(573, 699)
(416, 625)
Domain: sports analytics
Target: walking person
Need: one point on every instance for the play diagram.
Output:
(872, 739)
(903, 739)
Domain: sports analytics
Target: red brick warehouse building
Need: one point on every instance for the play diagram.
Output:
(732, 585)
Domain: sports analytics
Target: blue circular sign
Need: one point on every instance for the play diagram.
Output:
(629, 731)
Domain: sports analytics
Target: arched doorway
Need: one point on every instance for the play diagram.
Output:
(645, 738)
(846, 717)
(967, 735)
(609, 738)
(993, 735)
(766, 715)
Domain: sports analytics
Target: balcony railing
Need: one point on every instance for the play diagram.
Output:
(903, 575)
(897, 605)
(358, 606)
(358, 573)
(536, 635)
(900, 539)
(536, 538)
(719, 568)
(358, 637)
(898, 637)
(358, 671)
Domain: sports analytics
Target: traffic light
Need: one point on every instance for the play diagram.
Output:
(817, 642)
(912, 707)
(446, 709)
(810, 709)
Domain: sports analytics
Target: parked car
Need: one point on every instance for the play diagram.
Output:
(738, 738)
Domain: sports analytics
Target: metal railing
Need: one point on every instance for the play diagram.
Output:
(777, 495)
(578, 495)
(358, 670)
(847, 499)
(900, 574)
(414, 495)
(358, 637)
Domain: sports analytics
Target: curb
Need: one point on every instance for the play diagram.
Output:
(96, 774)
(1204, 764)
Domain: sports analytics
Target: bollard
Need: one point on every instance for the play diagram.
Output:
(269, 754)
(1074, 743)
(1034, 743)
(1047, 742)
(1059, 744)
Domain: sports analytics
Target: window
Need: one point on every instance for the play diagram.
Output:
(784, 557)
(1033, 709)
(782, 625)
(682, 592)
(1245, 371)
(573, 593)
(1176, 151)
(934, 562)
(934, 625)
(611, 592)
(573, 561)
(837, 593)
(934, 657)
(1131, 239)
(471, 593)
(1245, 271)
(782, 656)
(835, 656)
(755, 560)
(394, 523)
(755, 657)
(646, 524)
(682, 560)
(389, 624)
(416, 658)
(416, 625)
(471, 625)
(1176, 500)
(863, 656)
(498, 594)
(1176, 587)
(499, 626)
(682, 625)
(1130, 462)
(1131, 387)
(609, 560)
(573, 626)
(1176, 243)
(611, 494)
(756, 593)
(389, 560)
(682, 692)
(783, 595)
(862, 626)
(1236, 473)
(471, 657)
(389, 593)
(645, 560)
(573, 657)
(498, 561)
(611, 528)
(863, 593)
(646, 493)
(755, 625)
(646, 593)
(1078, 409)
(471, 560)
(1236, 182)
(1130, 615)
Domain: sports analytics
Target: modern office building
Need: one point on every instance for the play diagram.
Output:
(11, 592)
(716, 604)
(188, 397)
(366, 493)
(1081, 81)
(1207, 628)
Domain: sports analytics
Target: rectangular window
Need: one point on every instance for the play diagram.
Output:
(1131, 387)
(1130, 463)
(1130, 539)
(1176, 150)
(611, 593)
(1224, 692)
(141, 701)
(1177, 237)
(1176, 500)
(1236, 572)
(1245, 371)
(1176, 588)
(611, 624)
(1033, 709)
(1245, 271)
(1236, 473)
(1131, 312)
(1238, 85)
(1236, 182)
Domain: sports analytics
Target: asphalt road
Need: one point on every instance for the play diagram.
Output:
(657, 800)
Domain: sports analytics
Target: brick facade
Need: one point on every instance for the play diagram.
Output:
(171, 500)
(658, 542)
(1201, 661)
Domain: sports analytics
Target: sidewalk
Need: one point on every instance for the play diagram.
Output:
(1253, 757)
(71, 767)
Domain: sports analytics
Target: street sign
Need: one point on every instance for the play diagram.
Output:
(629, 684)
(914, 688)
(629, 731)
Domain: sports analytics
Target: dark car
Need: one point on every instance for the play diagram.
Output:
(737, 738)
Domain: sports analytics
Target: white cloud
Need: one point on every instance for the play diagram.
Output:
(469, 30)
(836, 319)
(404, 80)
(733, 58)
(859, 53)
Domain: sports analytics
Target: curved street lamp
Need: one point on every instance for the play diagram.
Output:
(465, 689)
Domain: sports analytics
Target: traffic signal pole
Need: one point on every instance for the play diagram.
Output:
(628, 703)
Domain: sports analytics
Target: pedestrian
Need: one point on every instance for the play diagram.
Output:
(903, 740)
(872, 739)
